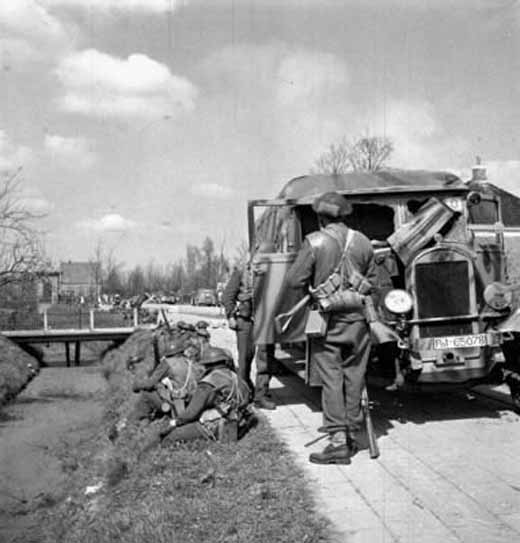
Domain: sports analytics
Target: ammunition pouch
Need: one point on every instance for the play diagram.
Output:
(332, 297)
(345, 288)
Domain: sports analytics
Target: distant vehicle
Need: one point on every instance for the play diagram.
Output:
(205, 296)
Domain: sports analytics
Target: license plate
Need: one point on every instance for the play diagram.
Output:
(460, 342)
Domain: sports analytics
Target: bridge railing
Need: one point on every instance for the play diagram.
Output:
(62, 318)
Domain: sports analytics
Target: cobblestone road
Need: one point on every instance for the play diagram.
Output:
(448, 469)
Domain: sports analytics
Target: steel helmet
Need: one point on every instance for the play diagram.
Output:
(216, 355)
(202, 332)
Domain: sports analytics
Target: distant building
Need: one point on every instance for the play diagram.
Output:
(509, 217)
(47, 286)
(80, 279)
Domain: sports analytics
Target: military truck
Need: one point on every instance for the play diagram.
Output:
(442, 277)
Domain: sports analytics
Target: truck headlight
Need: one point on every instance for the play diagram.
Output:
(398, 301)
(498, 296)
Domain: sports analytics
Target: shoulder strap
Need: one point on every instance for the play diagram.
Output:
(315, 238)
(344, 256)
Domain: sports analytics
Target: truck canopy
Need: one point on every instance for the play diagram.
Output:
(303, 190)
(384, 180)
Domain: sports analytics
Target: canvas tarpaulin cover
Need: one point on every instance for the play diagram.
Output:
(270, 225)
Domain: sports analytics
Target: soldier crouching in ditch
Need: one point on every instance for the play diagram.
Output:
(171, 383)
(217, 407)
(175, 373)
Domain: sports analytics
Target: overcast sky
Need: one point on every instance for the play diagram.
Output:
(148, 124)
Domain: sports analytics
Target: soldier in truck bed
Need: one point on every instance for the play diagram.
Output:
(237, 299)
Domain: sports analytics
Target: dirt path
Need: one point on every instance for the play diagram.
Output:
(35, 457)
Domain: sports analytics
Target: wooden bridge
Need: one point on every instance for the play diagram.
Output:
(73, 336)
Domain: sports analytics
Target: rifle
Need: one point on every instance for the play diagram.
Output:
(372, 441)
(156, 354)
(165, 318)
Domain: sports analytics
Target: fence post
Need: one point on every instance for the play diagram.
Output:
(45, 320)
(91, 319)
(136, 317)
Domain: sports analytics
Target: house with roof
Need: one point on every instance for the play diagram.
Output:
(509, 216)
(80, 279)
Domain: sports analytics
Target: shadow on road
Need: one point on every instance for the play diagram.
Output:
(388, 408)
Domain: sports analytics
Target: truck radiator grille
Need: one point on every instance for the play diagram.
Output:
(443, 291)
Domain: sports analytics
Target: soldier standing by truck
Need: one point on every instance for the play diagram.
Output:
(238, 304)
(341, 355)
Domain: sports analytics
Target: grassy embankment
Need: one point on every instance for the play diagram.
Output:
(250, 491)
(16, 369)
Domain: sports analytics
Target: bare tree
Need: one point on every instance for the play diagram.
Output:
(96, 270)
(366, 154)
(241, 254)
(222, 263)
(335, 160)
(369, 154)
(21, 251)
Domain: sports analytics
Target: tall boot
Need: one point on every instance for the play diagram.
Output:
(336, 452)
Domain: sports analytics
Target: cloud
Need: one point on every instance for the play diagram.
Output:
(420, 141)
(112, 222)
(505, 174)
(30, 18)
(72, 152)
(286, 103)
(309, 77)
(143, 6)
(34, 201)
(12, 156)
(212, 190)
(101, 85)
(30, 32)
(75, 152)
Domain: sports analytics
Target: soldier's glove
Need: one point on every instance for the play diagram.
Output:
(232, 323)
